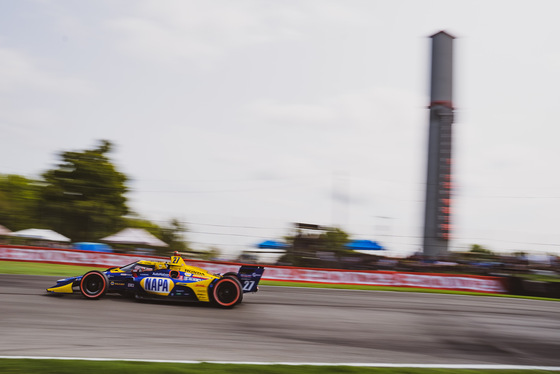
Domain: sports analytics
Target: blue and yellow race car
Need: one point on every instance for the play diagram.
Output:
(172, 280)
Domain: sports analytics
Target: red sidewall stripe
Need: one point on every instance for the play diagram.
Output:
(96, 295)
(216, 289)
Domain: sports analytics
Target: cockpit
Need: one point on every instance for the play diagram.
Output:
(141, 266)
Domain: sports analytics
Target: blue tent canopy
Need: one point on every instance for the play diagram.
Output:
(364, 245)
(95, 247)
(272, 244)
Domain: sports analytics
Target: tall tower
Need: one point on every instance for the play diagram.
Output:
(437, 222)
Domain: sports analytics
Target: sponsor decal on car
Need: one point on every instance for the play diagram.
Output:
(196, 272)
(194, 279)
(249, 276)
(158, 286)
(248, 285)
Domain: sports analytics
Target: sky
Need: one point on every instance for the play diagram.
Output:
(240, 118)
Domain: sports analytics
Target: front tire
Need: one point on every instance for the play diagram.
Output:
(93, 284)
(227, 292)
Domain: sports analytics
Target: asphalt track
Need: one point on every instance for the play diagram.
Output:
(282, 325)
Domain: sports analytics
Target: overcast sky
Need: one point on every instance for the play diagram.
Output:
(241, 117)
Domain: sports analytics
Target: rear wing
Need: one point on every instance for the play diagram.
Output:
(250, 276)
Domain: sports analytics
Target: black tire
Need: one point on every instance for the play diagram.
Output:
(231, 274)
(227, 292)
(93, 284)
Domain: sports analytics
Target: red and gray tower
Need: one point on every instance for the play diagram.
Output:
(437, 219)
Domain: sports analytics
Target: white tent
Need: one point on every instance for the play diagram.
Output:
(4, 231)
(135, 237)
(41, 234)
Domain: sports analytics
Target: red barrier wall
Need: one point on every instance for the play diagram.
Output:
(275, 273)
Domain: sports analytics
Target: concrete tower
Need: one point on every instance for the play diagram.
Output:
(437, 222)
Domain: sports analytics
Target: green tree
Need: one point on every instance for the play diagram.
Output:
(477, 248)
(212, 253)
(19, 197)
(303, 247)
(335, 240)
(171, 233)
(136, 221)
(84, 197)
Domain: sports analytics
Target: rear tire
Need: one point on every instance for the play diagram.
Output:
(93, 284)
(227, 292)
(231, 274)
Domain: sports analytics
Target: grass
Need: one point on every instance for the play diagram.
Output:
(21, 366)
(22, 267)
(539, 278)
(395, 289)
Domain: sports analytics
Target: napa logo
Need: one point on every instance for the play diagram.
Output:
(159, 286)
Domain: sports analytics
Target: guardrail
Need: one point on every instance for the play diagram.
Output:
(273, 273)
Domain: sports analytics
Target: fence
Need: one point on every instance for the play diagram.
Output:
(273, 273)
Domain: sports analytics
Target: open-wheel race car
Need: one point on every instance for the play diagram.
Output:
(168, 280)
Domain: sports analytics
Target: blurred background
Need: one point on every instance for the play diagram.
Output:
(217, 126)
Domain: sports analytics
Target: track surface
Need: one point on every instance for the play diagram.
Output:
(282, 324)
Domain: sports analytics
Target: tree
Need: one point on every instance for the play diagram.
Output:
(19, 198)
(477, 248)
(335, 240)
(171, 233)
(304, 246)
(212, 254)
(84, 197)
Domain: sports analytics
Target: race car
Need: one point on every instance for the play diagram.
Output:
(171, 280)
